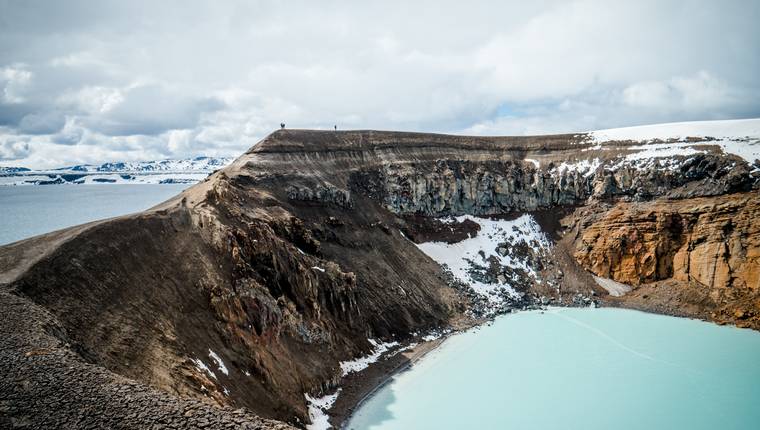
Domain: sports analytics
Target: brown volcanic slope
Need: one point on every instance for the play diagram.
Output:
(287, 261)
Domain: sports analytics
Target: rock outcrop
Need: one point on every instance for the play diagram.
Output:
(486, 187)
(711, 242)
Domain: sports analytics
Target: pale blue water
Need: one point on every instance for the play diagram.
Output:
(578, 369)
(31, 210)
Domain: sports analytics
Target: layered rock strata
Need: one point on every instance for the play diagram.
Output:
(707, 244)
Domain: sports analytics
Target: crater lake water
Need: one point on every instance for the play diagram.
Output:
(28, 211)
(578, 369)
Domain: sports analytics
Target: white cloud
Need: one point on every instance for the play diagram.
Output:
(14, 80)
(693, 93)
(71, 133)
(13, 147)
(92, 99)
(198, 78)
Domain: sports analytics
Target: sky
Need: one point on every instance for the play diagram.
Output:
(97, 81)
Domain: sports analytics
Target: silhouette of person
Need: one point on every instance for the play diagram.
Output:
(336, 127)
(282, 125)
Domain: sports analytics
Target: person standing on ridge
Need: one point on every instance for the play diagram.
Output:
(282, 125)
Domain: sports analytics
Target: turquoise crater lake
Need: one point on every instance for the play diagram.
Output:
(578, 369)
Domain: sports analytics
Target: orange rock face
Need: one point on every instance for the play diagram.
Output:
(713, 241)
(709, 243)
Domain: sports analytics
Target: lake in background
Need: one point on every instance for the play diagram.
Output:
(578, 369)
(32, 210)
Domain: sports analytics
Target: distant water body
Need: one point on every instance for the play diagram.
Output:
(578, 369)
(28, 211)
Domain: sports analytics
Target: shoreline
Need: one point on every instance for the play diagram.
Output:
(357, 388)
(408, 358)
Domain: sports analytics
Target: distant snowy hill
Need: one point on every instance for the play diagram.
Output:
(197, 164)
(12, 170)
(136, 172)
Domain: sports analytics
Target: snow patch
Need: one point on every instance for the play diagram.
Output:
(459, 257)
(411, 346)
(584, 167)
(748, 149)
(318, 407)
(616, 289)
(318, 268)
(361, 363)
(430, 337)
(534, 162)
(202, 367)
(219, 362)
(662, 150)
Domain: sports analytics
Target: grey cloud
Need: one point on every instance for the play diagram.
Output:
(13, 148)
(11, 115)
(179, 78)
(71, 134)
(152, 110)
(41, 123)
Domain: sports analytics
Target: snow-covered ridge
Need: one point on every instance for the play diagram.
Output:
(724, 129)
(142, 172)
(738, 137)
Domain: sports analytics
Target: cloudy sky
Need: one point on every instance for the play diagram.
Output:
(95, 81)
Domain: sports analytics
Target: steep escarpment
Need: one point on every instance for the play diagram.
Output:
(262, 284)
(454, 187)
(706, 245)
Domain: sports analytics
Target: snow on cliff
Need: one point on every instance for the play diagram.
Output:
(739, 137)
(499, 242)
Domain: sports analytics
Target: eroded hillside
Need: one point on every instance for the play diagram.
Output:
(262, 283)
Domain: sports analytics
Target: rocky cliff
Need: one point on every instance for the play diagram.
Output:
(705, 246)
(258, 287)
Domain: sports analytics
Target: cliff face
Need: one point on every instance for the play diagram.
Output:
(711, 244)
(452, 187)
(250, 288)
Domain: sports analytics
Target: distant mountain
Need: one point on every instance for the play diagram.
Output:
(11, 170)
(185, 171)
(197, 164)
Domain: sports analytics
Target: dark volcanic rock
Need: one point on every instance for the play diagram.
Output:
(48, 386)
